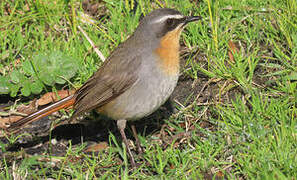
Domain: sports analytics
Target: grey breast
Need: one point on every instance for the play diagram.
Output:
(152, 88)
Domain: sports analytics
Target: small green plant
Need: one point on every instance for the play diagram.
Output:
(32, 76)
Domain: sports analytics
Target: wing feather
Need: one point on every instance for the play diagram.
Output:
(110, 81)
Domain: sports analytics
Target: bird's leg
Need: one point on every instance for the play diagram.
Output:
(139, 149)
(121, 126)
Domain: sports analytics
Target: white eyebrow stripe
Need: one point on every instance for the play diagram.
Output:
(177, 16)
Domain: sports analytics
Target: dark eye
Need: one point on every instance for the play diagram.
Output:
(170, 22)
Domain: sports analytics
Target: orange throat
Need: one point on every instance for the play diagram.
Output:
(168, 51)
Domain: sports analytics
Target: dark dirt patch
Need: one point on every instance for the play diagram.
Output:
(99, 130)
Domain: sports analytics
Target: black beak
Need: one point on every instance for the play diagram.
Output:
(191, 19)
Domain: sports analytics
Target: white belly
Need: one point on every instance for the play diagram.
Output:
(149, 92)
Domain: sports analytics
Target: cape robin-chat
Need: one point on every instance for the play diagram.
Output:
(136, 79)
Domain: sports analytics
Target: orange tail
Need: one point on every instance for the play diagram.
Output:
(63, 103)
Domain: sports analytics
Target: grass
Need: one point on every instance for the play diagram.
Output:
(246, 129)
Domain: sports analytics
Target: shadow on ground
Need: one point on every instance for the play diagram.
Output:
(97, 128)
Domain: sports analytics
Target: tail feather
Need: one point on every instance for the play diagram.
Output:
(63, 103)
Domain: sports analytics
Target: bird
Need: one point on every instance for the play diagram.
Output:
(135, 80)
